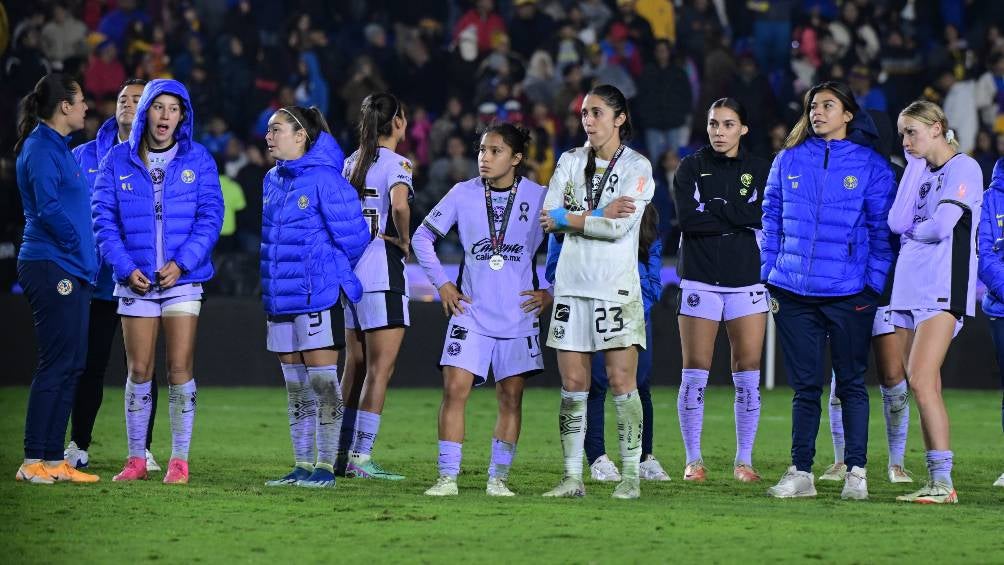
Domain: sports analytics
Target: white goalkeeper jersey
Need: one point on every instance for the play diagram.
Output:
(601, 262)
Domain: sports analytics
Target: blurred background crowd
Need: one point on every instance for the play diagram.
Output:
(459, 64)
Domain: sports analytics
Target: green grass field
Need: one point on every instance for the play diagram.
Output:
(227, 515)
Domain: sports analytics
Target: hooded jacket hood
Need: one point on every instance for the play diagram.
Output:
(108, 137)
(324, 152)
(997, 180)
(186, 127)
(863, 131)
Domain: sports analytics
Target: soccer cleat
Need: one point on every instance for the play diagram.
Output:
(76, 457)
(151, 463)
(569, 487)
(897, 474)
(604, 470)
(65, 473)
(34, 473)
(855, 485)
(445, 486)
(368, 469)
(1000, 481)
(695, 471)
(651, 470)
(934, 492)
(297, 474)
(135, 470)
(177, 472)
(627, 489)
(320, 478)
(745, 473)
(497, 487)
(793, 484)
(835, 472)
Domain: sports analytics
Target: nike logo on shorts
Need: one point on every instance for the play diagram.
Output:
(862, 308)
(309, 334)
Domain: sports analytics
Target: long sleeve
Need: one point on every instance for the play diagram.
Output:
(741, 212)
(692, 216)
(104, 213)
(553, 253)
(881, 190)
(991, 262)
(641, 186)
(772, 205)
(198, 247)
(939, 226)
(651, 287)
(44, 180)
(343, 217)
(423, 243)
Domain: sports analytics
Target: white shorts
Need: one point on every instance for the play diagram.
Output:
(302, 332)
(722, 306)
(588, 324)
(377, 310)
(883, 322)
(187, 305)
(476, 353)
(910, 319)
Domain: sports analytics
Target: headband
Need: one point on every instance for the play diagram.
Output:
(291, 115)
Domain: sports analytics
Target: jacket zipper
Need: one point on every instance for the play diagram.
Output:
(815, 226)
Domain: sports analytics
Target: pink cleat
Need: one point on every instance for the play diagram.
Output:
(745, 474)
(135, 470)
(177, 472)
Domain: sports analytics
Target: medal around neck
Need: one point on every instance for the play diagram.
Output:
(496, 262)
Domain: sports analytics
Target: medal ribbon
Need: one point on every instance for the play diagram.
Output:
(498, 237)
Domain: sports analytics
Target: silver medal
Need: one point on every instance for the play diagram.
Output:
(496, 262)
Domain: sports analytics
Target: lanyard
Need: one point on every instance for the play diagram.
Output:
(594, 195)
(499, 236)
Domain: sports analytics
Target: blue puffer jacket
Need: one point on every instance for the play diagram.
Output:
(991, 243)
(824, 216)
(312, 232)
(88, 156)
(123, 204)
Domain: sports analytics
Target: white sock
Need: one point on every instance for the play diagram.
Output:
(572, 426)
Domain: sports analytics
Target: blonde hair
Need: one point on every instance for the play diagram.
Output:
(929, 113)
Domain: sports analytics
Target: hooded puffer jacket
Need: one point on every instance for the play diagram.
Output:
(991, 243)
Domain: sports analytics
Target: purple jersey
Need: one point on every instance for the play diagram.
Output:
(381, 268)
(495, 309)
(936, 268)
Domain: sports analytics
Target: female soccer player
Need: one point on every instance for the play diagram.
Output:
(56, 266)
(718, 193)
(157, 213)
(375, 326)
(598, 303)
(825, 256)
(493, 315)
(991, 268)
(313, 235)
(937, 212)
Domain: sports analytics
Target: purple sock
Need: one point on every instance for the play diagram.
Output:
(896, 407)
(367, 426)
(747, 411)
(503, 453)
(137, 407)
(302, 412)
(181, 405)
(690, 408)
(836, 422)
(939, 466)
(450, 453)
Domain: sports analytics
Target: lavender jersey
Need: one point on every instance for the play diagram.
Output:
(495, 309)
(381, 268)
(941, 275)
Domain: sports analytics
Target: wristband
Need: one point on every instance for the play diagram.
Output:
(560, 217)
(598, 212)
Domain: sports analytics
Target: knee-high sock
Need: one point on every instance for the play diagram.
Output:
(450, 455)
(690, 409)
(503, 453)
(347, 434)
(629, 425)
(137, 410)
(572, 426)
(302, 412)
(367, 426)
(836, 422)
(324, 382)
(181, 405)
(939, 466)
(896, 407)
(747, 413)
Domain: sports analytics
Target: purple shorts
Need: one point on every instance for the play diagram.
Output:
(189, 304)
(303, 332)
(883, 322)
(476, 353)
(377, 310)
(910, 319)
(722, 306)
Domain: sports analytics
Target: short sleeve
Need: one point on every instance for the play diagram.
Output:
(401, 173)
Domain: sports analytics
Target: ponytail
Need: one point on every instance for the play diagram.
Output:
(648, 232)
(27, 119)
(41, 103)
(377, 119)
(310, 120)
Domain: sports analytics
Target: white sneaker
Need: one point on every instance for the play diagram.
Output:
(627, 489)
(498, 487)
(1000, 481)
(603, 469)
(897, 474)
(76, 457)
(651, 470)
(151, 463)
(794, 484)
(835, 473)
(855, 485)
(569, 487)
(934, 492)
(445, 486)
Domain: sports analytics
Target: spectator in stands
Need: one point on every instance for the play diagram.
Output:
(595, 15)
(116, 22)
(104, 72)
(869, 96)
(312, 88)
(541, 84)
(25, 63)
(604, 72)
(363, 79)
(771, 32)
(233, 202)
(455, 166)
(660, 15)
(485, 21)
(63, 36)
(619, 49)
(639, 29)
(664, 103)
(530, 28)
(698, 20)
(567, 49)
(236, 79)
(217, 136)
(192, 57)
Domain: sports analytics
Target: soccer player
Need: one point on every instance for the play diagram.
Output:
(375, 326)
(494, 312)
(598, 301)
(56, 266)
(157, 211)
(991, 268)
(313, 235)
(936, 212)
(104, 318)
(718, 193)
(825, 257)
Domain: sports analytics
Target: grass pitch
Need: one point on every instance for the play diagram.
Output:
(241, 440)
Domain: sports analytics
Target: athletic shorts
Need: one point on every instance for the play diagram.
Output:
(910, 319)
(722, 306)
(377, 310)
(883, 322)
(476, 353)
(187, 305)
(589, 324)
(301, 332)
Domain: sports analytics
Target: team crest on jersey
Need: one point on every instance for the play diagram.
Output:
(924, 189)
(693, 300)
(744, 191)
(775, 307)
(561, 312)
(569, 200)
(64, 287)
(188, 176)
(559, 332)
(850, 182)
(406, 166)
(453, 349)
(746, 179)
(303, 202)
(157, 175)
